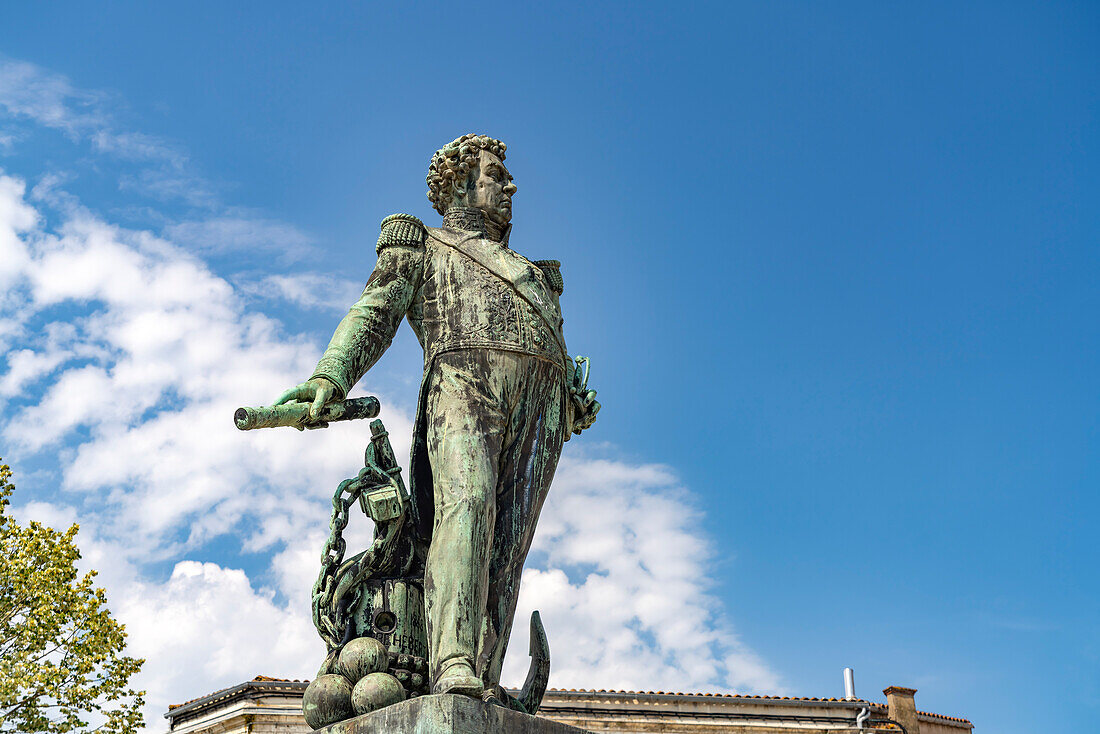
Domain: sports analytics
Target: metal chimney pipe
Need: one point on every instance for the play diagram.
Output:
(849, 684)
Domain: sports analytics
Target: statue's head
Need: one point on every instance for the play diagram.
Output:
(469, 172)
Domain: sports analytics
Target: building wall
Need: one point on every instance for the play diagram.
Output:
(251, 712)
(932, 725)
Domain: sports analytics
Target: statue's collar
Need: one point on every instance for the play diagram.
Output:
(469, 219)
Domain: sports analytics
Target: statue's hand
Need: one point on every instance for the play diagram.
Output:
(582, 400)
(586, 409)
(318, 391)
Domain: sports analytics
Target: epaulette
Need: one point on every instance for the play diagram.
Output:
(401, 229)
(552, 270)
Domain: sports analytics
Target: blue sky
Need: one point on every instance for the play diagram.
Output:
(835, 266)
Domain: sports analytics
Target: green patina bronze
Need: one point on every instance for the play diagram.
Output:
(499, 396)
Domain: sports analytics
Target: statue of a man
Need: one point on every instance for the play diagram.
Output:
(497, 400)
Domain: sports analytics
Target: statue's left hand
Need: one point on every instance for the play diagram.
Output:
(586, 410)
(318, 391)
(583, 401)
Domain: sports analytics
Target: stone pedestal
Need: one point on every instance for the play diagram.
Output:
(447, 714)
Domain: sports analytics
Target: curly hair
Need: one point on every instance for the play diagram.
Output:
(452, 163)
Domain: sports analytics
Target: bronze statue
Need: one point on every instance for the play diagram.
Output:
(499, 396)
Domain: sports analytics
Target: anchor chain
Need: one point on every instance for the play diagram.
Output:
(330, 621)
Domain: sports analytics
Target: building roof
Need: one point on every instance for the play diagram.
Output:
(260, 682)
(267, 683)
(883, 707)
(704, 695)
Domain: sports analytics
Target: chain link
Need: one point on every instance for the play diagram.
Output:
(327, 619)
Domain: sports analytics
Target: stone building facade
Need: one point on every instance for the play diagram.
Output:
(274, 706)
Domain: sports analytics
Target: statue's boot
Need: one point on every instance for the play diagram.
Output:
(459, 678)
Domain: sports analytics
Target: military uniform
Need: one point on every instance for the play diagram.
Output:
(493, 412)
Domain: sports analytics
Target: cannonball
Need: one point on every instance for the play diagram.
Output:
(375, 691)
(362, 656)
(327, 700)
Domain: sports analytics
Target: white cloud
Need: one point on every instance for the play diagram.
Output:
(50, 100)
(624, 590)
(242, 231)
(138, 146)
(158, 169)
(151, 366)
(166, 184)
(308, 290)
(16, 217)
(55, 346)
(55, 516)
(207, 625)
(30, 93)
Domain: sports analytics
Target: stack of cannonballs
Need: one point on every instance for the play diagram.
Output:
(356, 682)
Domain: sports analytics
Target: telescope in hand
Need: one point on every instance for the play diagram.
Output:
(296, 415)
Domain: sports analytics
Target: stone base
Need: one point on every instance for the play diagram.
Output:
(447, 714)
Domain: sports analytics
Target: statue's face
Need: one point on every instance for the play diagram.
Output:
(491, 189)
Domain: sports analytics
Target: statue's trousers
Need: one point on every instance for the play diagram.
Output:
(495, 426)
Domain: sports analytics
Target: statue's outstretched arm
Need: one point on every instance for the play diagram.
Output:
(365, 333)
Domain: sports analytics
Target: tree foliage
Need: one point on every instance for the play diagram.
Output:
(61, 663)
